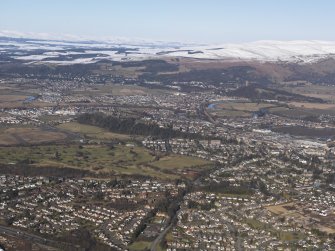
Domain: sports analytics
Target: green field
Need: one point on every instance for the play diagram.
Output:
(257, 224)
(177, 161)
(140, 245)
(238, 109)
(117, 159)
(92, 131)
(91, 157)
(99, 156)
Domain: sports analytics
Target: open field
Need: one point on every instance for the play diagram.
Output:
(119, 90)
(93, 157)
(301, 112)
(280, 209)
(140, 245)
(12, 98)
(317, 91)
(254, 223)
(327, 230)
(238, 109)
(312, 105)
(29, 135)
(243, 106)
(178, 161)
(230, 113)
(295, 110)
(93, 131)
(22, 104)
(301, 217)
(99, 159)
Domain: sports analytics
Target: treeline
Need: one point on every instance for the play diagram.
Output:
(227, 188)
(196, 205)
(257, 91)
(132, 126)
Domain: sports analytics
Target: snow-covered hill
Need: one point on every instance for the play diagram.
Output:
(45, 48)
(297, 51)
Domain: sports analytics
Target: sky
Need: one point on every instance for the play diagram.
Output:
(197, 21)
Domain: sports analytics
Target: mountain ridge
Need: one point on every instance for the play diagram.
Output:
(296, 51)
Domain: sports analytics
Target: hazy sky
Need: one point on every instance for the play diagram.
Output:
(201, 21)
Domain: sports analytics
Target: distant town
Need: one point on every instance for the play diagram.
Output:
(151, 155)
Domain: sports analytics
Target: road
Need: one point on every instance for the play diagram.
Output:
(159, 239)
(202, 110)
(232, 229)
(112, 237)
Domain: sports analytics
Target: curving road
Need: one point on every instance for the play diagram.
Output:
(159, 239)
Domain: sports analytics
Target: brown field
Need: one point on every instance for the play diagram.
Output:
(12, 98)
(317, 91)
(328, 97)
(312, 105)
(20, 135)
(93, 131)
(299, 112)
(230, 113)
(249, 107)
(327, 230)
(13, 95)
(294, 211)
(280, 209)
(20, 104)
(119, 90)
(179, 161)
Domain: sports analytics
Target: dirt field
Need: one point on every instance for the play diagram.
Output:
(312, 105)
(29, 135)
(280, 209)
